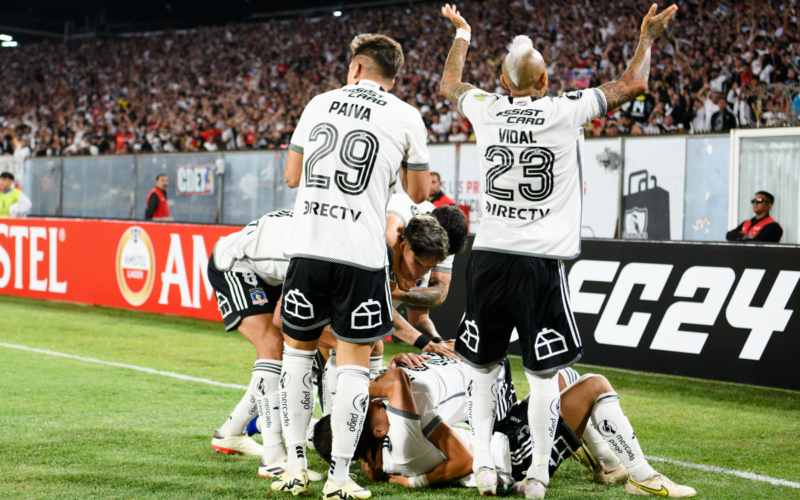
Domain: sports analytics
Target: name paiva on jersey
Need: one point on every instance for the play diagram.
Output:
(526, 214)
(522, 116)
(350, 110)
(328, 210)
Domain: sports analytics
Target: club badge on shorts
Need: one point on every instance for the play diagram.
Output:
(258, 296)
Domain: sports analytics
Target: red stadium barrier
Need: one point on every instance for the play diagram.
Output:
(144, 266)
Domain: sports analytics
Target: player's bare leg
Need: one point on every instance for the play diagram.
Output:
(261, 396)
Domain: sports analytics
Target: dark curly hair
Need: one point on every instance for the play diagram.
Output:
(452, 219)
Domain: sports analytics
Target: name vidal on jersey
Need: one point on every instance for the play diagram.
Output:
(516, 213)
(516, 136)
(328, 210)
(351, 110)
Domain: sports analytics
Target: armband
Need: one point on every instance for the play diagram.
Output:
(418, 481)
(421, 342)
(463, 34)
(436, 340)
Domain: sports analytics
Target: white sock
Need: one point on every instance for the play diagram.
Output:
(599, 447)
(543, 407)
(297, 404)
(375, 365)
(266, 374)
(347, 419)
(482, 410)
(614, 426)
(329, 382)
(242, 414)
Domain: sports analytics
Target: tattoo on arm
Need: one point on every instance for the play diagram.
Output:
(402, 330)
(427, 328)
(452, 87)
(634, 81)
(431, 296)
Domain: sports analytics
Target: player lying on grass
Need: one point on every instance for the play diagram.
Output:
(246, 271)
(423, 450)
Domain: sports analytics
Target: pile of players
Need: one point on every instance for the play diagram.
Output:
(315, 287)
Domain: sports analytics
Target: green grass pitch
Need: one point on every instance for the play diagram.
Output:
(73, 429)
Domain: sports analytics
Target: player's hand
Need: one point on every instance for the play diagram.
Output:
(653, 25)
(446, 348)
(455, 17)
(401, 480)
(410, 360)
(397, 293)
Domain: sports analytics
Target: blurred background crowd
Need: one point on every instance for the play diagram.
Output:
(722, 64)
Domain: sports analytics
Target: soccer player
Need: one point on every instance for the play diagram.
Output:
(247, 270)
(432, 289)
(412, 435)
(345, 155)
(530, 150)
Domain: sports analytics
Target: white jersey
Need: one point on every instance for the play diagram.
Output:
(440, 393)
(354, 141)
(531, 175)
(257, 248)
(401, 205)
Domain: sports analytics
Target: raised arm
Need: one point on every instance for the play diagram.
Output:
(634, 81)
(451, 86)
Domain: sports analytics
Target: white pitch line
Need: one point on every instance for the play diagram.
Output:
(706, 468)
(130, 367)
(720, 470)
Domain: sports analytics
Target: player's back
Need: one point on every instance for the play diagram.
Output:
(258, 247)
(530, 157)
(354, 141)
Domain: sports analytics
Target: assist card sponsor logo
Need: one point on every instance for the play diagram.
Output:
(135, 265)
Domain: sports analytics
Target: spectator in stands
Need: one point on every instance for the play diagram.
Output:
(238, 86)
(157, 207)
(13, 202)
(436, 195)
(762, 227)
(456, 134)
(723, 120)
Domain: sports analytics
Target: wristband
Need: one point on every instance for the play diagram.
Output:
(463, 34)
(418, 481)
(436, 340)
(421, 342)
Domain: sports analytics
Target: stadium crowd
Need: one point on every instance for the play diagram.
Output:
(723, 64)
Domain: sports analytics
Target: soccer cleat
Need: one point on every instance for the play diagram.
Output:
(505, 482)
(658, 485)
(241, 444)
(609, 476)
(296, 484)
(275, 470)
(349, 491)
(532, 488)
(583, 456)
(486, 478)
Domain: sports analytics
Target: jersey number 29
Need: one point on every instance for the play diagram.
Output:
(362, 163)
(536, 163)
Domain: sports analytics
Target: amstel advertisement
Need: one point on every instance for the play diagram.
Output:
(146, 266)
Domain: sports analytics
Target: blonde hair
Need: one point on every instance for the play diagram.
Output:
(520, 51)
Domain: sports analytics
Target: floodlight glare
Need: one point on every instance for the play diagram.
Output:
(337, 13)
(6, 38)
(9, 44)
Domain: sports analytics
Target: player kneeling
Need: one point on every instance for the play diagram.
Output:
(590, 408)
